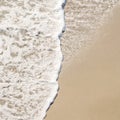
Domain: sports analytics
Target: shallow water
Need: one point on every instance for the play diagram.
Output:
(83, 18)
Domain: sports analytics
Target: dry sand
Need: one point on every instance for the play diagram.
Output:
(90, 90)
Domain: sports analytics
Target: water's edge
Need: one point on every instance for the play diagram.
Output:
(30, 57)
(54, 94)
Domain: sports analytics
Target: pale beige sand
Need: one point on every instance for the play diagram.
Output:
(90, 90)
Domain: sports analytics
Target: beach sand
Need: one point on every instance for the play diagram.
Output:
(90, 86)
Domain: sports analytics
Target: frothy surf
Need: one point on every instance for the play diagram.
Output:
(30, 56)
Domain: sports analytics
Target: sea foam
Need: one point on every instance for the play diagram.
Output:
(30, 57)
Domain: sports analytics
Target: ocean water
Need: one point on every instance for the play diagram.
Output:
(30, 51)
(30, 56)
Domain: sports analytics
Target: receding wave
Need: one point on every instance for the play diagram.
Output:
(83, 18)
(30, 57)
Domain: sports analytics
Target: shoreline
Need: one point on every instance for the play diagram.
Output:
(89, 89)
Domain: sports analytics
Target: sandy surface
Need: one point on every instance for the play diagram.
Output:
(90, 89)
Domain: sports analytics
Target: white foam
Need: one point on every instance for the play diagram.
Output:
(30, 57)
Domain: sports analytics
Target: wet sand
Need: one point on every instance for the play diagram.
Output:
(90, 89)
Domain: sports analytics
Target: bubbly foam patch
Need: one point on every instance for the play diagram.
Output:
(30, 57)
(21, 101)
